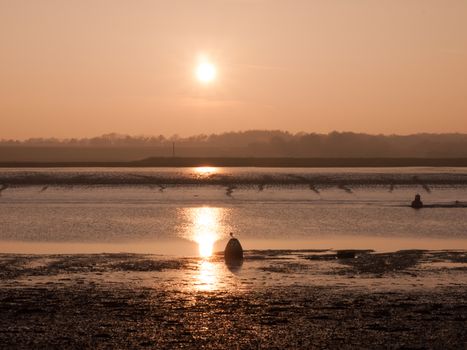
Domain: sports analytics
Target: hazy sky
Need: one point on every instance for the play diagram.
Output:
(85, 67)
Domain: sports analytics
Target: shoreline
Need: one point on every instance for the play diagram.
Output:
(178, 248)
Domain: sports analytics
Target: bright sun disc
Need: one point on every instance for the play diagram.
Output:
(205, 72)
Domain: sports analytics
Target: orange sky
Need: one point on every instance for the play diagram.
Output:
(86, 67)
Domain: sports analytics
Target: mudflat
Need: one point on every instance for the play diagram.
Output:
(277, 299)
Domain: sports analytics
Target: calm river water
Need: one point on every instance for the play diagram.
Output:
(191, 211)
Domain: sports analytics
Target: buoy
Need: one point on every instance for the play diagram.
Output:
(417, 202)
(233, 253)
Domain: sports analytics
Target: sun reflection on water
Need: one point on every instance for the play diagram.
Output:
(207, 278)
(206, 229)
(206, 170)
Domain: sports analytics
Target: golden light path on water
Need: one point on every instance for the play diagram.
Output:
(205, 228)
(208, 277)
(206, 170)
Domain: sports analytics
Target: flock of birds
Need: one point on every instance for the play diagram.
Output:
(267, 180)
(261, 186)
(231, 188)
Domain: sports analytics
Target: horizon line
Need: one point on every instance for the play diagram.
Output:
(176, 136)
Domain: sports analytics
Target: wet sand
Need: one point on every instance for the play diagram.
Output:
(277, 299)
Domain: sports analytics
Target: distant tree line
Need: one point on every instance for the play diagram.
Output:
(253, 143)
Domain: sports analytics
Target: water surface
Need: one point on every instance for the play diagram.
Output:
(191, 211)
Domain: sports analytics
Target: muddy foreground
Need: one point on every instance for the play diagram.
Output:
(276, 300)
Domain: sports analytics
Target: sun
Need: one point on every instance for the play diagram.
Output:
(206, 72)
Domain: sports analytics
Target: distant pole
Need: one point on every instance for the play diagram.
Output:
(173, 149)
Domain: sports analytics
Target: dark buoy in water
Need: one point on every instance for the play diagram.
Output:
(233, 253)
(417, 202)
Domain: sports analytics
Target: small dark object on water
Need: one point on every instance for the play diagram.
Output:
(233, 253)
(417, 202)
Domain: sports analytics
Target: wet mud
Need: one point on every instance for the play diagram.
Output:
(282, 299)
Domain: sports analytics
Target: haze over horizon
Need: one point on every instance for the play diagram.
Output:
(82, 68)
(252, 134)
(252, 143)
